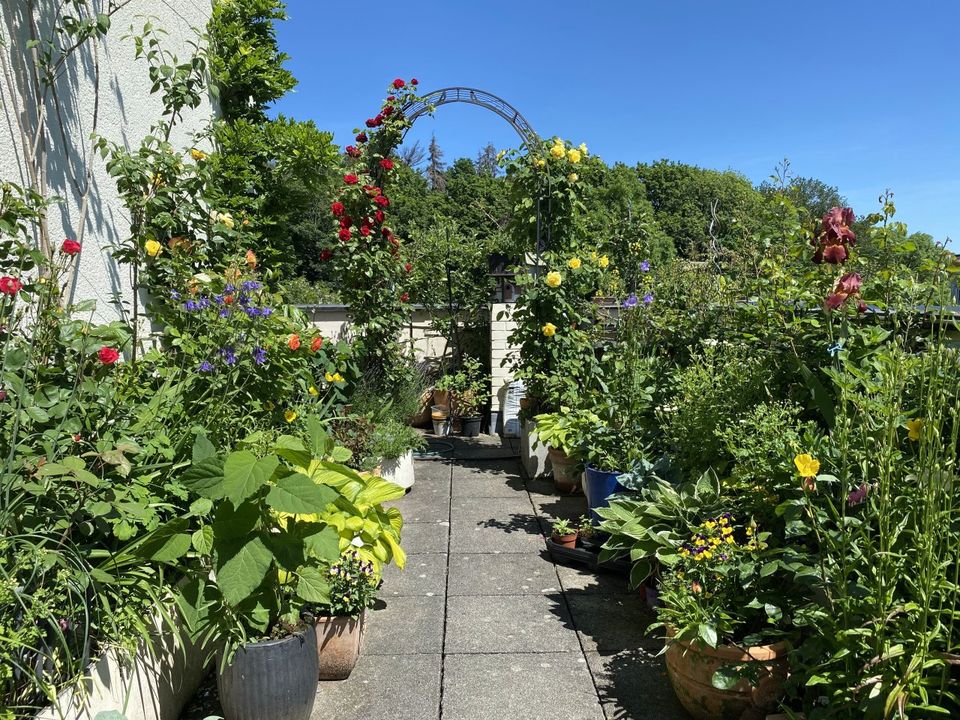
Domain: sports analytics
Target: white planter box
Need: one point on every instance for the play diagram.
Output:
(148, 686)
(399, 470)
(535, 460)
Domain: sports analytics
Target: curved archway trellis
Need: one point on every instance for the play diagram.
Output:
(473, 96)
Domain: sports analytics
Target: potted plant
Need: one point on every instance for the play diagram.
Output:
(559, 431)
(340, 621)
(585, 529)
(469, 388)
(564, 534)
(394, 442)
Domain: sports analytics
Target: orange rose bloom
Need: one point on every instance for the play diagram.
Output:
(251, 259)
(315, 344)
(294, 342)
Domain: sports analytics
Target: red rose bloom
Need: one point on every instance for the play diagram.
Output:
(345, 235)
(107, 355)
(404, 297)
(337, 208)
(361, 137)
(365, 230)
(398, 83)
(379, 216)
(346, 221)
(391, 98)
(382, 201)
(315, 344)
(387, 111)
(70, 247)
(386, 164)
(408, 267)
(353, 151)
(10, 285)
(414, 81)
(351, 179)
(325, 254)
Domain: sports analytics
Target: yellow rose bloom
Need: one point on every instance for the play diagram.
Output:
(807, 465)
(539, 162)
(226, 219)
(557, 151)
(549, 329)
(553, 279)
(583, 148)
(198, 154)
(913, 428)
(573, 155)
(603, 261)
(574, 263)
(153, 248)
(573, 177)
(313, 391)
(290, 415)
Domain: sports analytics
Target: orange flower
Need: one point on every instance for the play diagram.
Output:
(315, 344)
(251, 259)
(293, 342)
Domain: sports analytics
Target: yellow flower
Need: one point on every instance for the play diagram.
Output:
(807, 466)
(290, 415)
(573, 177)
(333, 377)
(730, 540)
(913, 428)
(549, 329)
(557, 151)
(337, 377)
(574, 263)
(225, 219)
(539, 162)
(583, 148)
(313, 391)
(603, 261)
(573, 155)
(153, 248)
(328, 377)
(553, 279)
(198, 154)
(594, 256)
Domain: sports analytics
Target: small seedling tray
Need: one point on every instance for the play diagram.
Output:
(587, 553)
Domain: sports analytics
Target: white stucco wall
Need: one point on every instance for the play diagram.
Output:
(127, 110)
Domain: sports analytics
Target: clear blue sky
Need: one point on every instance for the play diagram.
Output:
(862, 95)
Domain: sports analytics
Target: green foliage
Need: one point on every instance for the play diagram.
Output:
(562, 527)
(469, 387)
(353, 587)
(392, 439)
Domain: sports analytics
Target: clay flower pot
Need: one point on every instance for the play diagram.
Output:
(691, 665)
(569, 540)
(566, 475)
(338, 645)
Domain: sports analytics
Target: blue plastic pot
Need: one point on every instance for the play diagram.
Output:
(598, 486)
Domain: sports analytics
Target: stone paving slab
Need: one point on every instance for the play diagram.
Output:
(417, 538)
(553, 686)
(384, 687)
(404, 626)
(500, 480)
(486, 525)
(578, 578)
(502, 574)
(425, 575)
(431, 470)
(509, 624)
(612, 623)
(633, 685)
(569, 507)
(424, 504)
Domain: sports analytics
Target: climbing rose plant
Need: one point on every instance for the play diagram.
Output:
(366, 253)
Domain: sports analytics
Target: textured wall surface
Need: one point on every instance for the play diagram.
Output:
(126, 111)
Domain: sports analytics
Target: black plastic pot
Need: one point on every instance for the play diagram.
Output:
(470, 426)
(276, 679)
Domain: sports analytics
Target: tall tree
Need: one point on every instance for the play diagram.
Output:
(413, 155)
(435, 166)
(487, 161)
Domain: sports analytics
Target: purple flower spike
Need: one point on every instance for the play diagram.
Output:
(228, 355)
(205, 366)
(631, 301)
(259, 356)
(648, 298)
(645, 266)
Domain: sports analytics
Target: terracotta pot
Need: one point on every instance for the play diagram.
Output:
(691, 665)
(569, 540)
(338, 645)
(566, 475)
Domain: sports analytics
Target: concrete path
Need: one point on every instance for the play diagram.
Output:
(481, 623)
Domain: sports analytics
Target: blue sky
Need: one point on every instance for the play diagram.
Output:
(862, 95)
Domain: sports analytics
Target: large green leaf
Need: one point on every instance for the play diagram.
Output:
(324, 544)
(244, 474)
(313, 586)
(300, 495)
(242, 565)
(203, 448)
(167, 543)
(293, 450)
(205, 477)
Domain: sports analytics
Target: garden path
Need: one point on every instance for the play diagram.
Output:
(482, 623)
